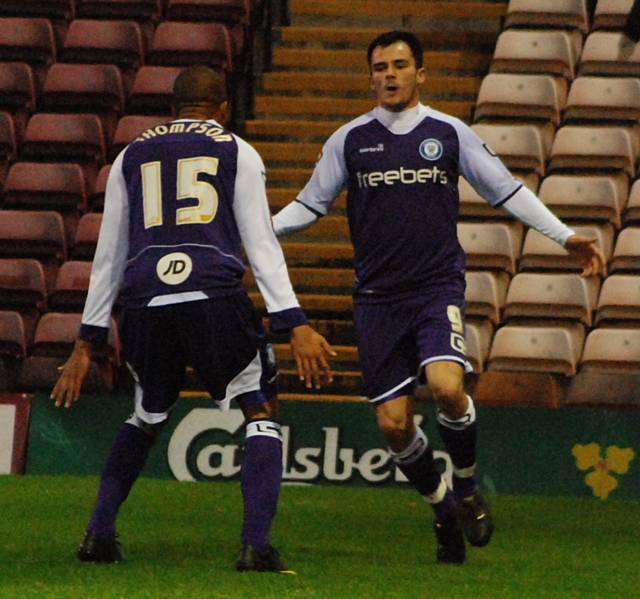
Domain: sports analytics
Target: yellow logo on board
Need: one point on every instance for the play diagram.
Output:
(616, 460)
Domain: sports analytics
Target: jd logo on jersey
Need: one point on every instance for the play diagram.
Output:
(174, 268)
(431, 149)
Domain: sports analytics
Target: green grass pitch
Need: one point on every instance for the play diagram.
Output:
(181, 539)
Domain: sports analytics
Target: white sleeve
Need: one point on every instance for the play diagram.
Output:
(293, 217)
(111, 251)
(252, 216)
(329, 176)
(526, 206)
(483, 168)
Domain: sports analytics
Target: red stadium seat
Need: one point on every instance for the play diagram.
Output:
(222, 11)
(49, 186)
(138, 10)
(95, 88)
(111, 42)
(13, 337)
(7, 143)
(152, 90)
(70, 289)
(17, 90)
(66, 138)
(27, 40)
(50, 9)
(129, 127)
(86, 237)
(22, 284)
(182, 44)
(52, 344)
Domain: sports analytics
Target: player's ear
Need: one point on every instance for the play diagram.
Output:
(224, 113)
(421, 75)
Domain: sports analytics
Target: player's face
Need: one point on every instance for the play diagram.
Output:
(394, 77)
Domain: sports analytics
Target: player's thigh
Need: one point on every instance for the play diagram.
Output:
(153, 355)
(230, 351)
(386, 350)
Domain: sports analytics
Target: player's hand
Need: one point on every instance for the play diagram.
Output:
(585, 250)
(311, 351)
(72, 375)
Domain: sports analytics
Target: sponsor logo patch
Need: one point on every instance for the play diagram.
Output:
(174, 268)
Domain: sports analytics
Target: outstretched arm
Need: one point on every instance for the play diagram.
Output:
(311, 352)
(73, 373)
(585, 250)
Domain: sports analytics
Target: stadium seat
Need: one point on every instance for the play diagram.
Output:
(152, 90)
(27, 40)
(22, 285)
(598, 149)
(52, 344)
(493, 246)
(612, 350)
(626, 254)
(474, 207)
(327, 229)
(603, 100)
(224, 11)
(555, 350)
(96, 197)
(306, 253)
(537, 52)
(138, 10)
(111, 42)
(50, 9)
(66, 138)
(129, 127)
(71, 286)
(13, 337)
(485, 294)
(8, 145)
(610, 54)
(534, 298)
(563, 14)
(478, 340)
(333, 281)
(95, 88)
(32, 234)
(619, 301)
(49, 186)
(631, 215)
(17, 90)
(539, 253)
(611, 14)
(86, 236)
(182, 44)
(519, 146)
(512, 96)
(585, 197)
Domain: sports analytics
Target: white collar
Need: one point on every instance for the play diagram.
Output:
(400, 122)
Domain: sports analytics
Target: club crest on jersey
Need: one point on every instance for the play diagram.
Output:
(431, 149)
(174, 268)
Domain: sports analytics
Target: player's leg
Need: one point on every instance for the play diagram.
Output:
(387, 356)
(235, 361)
(158, 372)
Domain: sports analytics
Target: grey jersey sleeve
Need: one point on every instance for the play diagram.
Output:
(483, 169)
(111, 254)
(251, 211)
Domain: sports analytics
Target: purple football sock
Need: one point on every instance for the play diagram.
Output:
(125, 462)
(417, 464)
(261, 479)
(445, 509)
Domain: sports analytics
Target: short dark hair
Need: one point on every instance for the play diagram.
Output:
(199, 85)
(391, 37)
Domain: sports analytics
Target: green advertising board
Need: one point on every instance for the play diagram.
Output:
(568, 451)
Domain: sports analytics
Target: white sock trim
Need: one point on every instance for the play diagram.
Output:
(415, 449)
(438, 495)
(459, 423)
(265, 428)
(464, 472)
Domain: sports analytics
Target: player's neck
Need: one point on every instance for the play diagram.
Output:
(399, 122)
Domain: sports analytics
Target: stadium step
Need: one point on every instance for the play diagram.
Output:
(296, 177)
(354, 37)
(316, 305)
(357, 86)
(284, 130)
(347, 108)
(294, 154)
(346, 360)
(318, 254)
(279, 197)
(311, 396)
(344, 382)
(435, 61)
(315, 280)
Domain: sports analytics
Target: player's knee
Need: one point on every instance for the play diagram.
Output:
(398, 432)
(268, 410)
(450, 398)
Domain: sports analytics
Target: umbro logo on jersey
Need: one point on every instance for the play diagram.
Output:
(378, 148)
(431, 149)
(174, 268)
